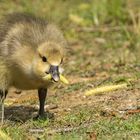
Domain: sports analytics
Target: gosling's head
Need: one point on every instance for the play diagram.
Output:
(47, 60)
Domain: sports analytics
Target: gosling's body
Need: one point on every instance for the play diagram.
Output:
(29, 46)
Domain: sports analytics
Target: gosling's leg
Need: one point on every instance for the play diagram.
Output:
(3, 95)
(42, 93)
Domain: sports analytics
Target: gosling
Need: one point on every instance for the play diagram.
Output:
(30, 48)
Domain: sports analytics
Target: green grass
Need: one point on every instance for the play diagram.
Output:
(82, 121)
(114, 127)
(99, 33)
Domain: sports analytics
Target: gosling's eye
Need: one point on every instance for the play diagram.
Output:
(44, 59)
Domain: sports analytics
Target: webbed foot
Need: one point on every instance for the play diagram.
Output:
(44, 116)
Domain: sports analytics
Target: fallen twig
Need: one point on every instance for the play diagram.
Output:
(133, 111)
(69, 129)
(62, 130)
(36, 130)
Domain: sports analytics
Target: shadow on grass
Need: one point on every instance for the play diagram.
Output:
(20, 113)
(24, 113)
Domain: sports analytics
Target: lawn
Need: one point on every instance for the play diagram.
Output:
(103, 49)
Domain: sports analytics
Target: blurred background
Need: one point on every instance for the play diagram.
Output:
(105, 23)
(103, 48)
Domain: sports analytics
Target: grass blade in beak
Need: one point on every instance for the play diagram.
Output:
(47, 77)
(62, 78)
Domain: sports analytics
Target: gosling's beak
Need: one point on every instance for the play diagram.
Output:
(54, 71)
